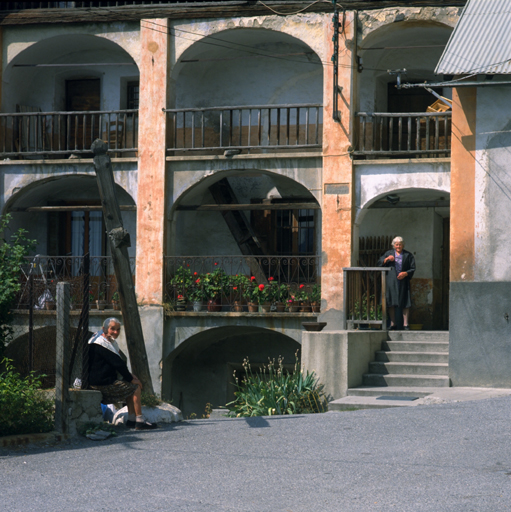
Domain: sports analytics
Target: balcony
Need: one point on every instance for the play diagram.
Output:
(250, 129)
(91, 279)
(60, 134)
(290, 284)
(403, 135)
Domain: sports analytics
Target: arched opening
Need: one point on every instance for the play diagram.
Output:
(421, 217)
(201, 369)
(269, 83)
(405, 52)
(52, 88)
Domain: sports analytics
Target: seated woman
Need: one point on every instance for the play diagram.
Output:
(402, 267)
(105, 363)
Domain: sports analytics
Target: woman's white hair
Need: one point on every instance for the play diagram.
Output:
(396, 240)
(108, 321)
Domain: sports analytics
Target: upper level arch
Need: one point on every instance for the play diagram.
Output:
(247, 66)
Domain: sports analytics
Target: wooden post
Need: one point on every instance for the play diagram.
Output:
(119, 243)
(62, 357)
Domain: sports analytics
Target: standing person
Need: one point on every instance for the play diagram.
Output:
(105, 364)
(402, 267)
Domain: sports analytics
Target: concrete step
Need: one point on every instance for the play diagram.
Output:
(416, 346)
(412, 357)
(351, 403)
(394, 391)
(406, 380)
(409, 368)
(419, 335)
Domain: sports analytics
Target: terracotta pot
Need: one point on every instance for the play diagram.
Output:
(305, 307)
(214, 306)
(281, 307)
(237, 306)
(101, 304)
(49, 305)
(116, 305)
(252, 307)
(265, 308)
(293, 307)
(316, 307)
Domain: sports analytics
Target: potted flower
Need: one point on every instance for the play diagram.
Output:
(237, 285)
(214, 284)
(181, 303)
(197, 294)
(101, 302)
(91, 299)
(279, 294)
(258, 294)
(115, 301)
(182, 280)
(292, 304)
(315, 298)
(303, 297)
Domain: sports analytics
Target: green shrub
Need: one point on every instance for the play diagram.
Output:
(150, 400)
(26, 409)
(274, 391)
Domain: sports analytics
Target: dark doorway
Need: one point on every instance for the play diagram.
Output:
(82, 96)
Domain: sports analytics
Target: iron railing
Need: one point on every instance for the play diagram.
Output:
(403, 135)
(47, 271)
(63, 133)
(227, 282)
(252, 127)
(16, 6)
(364, 297)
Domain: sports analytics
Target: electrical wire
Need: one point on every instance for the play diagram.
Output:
(291, 13)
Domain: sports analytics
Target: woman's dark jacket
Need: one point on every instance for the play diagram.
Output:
(104, 366)
(398, 292)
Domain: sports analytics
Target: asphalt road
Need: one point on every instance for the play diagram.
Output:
(447, 457)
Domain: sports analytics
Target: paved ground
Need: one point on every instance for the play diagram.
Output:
(441, 457)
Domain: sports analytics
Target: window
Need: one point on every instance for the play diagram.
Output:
(132, 95)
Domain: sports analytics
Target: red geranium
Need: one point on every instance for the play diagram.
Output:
(180, 297)
(261, 287)
(252, 278)
(270, 279)
(301, 286)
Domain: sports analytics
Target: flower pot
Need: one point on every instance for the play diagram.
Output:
(265, 308)
(280, 307)
(293, 307)
(305, 307)
(316, 307)
(197, 306)
(116, 305)
(101, 304)
(214, 306)
(181, 305)
(252, 307)
(237, 306)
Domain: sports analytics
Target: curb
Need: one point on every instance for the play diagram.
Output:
(21, 440)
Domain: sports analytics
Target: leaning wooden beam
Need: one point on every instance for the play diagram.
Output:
(119, 243)
(256, 206)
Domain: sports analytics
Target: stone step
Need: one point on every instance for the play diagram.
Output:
(394, 391)
(416, 346)
(387, 368)
(419, 336)
(407, 380)
(352, 403)
(412, 357)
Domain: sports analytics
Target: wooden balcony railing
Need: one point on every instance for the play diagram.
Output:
(364, 297)
(425, 134)
(253, 128)
(65, 133)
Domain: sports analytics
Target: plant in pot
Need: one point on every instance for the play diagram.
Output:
(303, 298)
(197, 294)
(101, 302)
(181, 303)
(258, 294)
(237, 285)
(214, 284)
(116, 301)
(76, 301)
(279, 294)
(182, 280)
(315, 298)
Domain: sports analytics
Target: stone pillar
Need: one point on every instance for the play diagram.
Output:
(338, 193)
(151, 161)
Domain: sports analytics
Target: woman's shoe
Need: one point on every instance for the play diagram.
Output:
(406, 328)
(392, 328)
(130, 424)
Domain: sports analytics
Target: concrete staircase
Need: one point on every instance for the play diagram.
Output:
(410, 366)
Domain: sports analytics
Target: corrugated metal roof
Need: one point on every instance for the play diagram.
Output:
(481, 40)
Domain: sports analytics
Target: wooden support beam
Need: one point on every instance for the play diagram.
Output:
(255, 206)
(119, 243)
